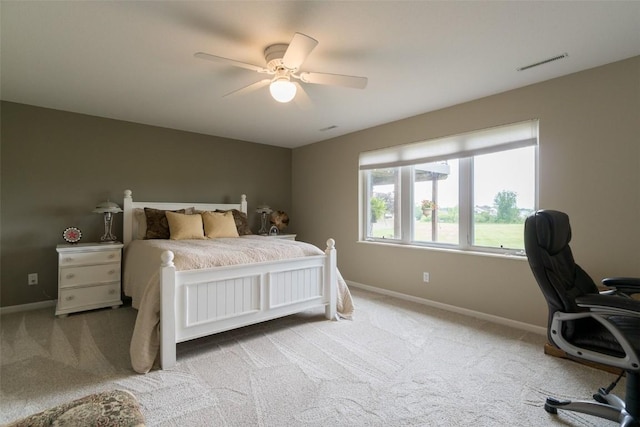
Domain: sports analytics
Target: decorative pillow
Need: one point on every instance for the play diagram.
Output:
(240, 218)
(182, 226)
(141, 222)
(219, 224)
(140, 219)
(157, 224)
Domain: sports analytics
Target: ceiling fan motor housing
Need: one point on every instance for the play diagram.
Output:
(273, 56)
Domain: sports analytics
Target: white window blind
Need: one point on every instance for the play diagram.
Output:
(506, 137)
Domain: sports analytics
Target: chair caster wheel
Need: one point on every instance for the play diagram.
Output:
(599, 398)
(548, 405)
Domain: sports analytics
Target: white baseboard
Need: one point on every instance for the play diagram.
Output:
(27, 307)
(477, 314)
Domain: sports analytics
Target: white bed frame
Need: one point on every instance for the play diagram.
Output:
(197, 303)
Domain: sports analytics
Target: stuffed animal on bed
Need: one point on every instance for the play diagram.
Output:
(280, 219)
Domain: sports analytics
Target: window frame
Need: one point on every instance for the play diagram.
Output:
(465, 191)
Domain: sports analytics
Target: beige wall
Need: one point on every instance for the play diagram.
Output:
(56, 166)
(589, 168)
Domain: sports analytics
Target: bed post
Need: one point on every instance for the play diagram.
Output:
(331, 279)
(167, 311)
(127, 228)
(243, 203)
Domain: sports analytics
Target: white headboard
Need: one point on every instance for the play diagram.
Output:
(130, 225)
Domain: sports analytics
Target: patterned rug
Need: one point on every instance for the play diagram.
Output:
(115, 408)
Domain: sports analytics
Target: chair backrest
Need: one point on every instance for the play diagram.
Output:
(547, 234)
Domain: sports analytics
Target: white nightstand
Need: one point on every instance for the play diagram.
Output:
(283, 236)
(88, 276)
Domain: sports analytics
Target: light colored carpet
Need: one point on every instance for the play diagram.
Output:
(397, 363)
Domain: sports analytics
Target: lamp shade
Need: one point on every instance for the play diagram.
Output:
(107, 206)
(264, 209)
(282, 90)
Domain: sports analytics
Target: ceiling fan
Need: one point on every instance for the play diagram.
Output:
(283, 63)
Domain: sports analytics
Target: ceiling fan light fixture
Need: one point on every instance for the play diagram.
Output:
(282, 90)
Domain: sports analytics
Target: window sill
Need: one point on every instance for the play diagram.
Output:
(505, 255)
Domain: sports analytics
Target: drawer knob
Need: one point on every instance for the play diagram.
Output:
(70, 298)
(112, 291)
(68, 259)
(70, 276)
(112, 271)
(112, 256)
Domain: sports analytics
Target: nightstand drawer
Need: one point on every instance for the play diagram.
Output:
(89, 296)
(105, 273)
(87, 258)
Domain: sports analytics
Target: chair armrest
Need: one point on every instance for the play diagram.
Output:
(608, 304)
(627, 285)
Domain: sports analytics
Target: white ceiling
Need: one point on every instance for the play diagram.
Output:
(134, 60)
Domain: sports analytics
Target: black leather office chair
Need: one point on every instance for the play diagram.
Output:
(585, 322)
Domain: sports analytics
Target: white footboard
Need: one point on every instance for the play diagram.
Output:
(198, 303)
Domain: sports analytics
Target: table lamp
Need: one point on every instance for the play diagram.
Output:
(108, 209)
(263, 210)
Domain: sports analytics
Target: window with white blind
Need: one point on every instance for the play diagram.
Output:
(470, 191)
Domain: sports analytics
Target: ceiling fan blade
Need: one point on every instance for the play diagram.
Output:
(302, 99)
(300, 47)
(214, 58)
(250, 88)
(334, 80)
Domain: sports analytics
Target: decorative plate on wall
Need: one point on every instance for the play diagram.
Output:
(72, 235)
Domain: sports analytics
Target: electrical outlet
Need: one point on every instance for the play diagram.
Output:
(32, 279)
(425, 277)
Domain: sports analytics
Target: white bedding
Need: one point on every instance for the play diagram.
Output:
(142, 257)
(142, 263)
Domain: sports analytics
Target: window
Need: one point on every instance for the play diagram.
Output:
(470, 191)
(384, 219)
(436, 194)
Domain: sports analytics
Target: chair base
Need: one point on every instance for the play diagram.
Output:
(607, 405)
(600, 410)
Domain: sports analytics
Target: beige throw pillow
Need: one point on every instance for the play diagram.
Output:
(219, 224)
(242, 224)
(182, 226)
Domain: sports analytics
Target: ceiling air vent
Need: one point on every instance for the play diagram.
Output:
(546, 61)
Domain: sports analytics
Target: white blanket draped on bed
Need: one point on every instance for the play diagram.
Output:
(142, 263)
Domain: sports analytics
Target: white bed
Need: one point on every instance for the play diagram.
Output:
(204, 301)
